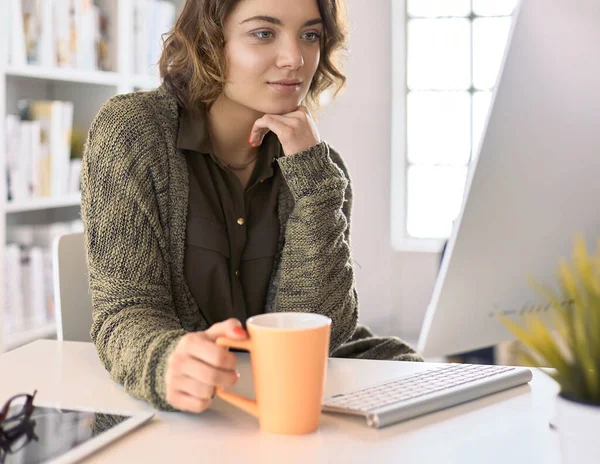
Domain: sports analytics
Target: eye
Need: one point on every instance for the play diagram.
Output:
(260, 34)
(312, 36)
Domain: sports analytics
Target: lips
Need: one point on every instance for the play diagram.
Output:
(286, 82)
(291, 87)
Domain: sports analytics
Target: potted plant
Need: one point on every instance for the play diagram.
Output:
(570, 344)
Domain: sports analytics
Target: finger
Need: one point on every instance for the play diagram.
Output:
(257, 135)
(216, 356)
(185, 402)
(231, 328)
(208, 375)
(199, 346)
(193, 388)
(280, 125)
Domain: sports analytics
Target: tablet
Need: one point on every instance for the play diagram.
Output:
(64, 436)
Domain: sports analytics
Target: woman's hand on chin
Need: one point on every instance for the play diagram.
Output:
(296, 130)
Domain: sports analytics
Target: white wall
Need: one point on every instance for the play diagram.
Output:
(393, 288)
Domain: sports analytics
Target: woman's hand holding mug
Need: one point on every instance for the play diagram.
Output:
(197, 366)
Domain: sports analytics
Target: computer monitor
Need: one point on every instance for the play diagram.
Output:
(535, 183)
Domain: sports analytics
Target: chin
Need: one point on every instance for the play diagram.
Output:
(283, 109)
(269, 104)
(274, 107)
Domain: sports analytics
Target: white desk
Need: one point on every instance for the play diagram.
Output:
(508, 428)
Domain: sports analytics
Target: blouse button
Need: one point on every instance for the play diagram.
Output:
(237, 273)
(240, 221)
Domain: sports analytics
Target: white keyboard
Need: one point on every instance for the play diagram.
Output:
(425, 392)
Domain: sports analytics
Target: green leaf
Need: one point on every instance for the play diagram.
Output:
(571, 343)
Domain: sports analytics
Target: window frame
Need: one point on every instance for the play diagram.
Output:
(400, 239)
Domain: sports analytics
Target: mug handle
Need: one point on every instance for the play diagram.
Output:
(239, 401)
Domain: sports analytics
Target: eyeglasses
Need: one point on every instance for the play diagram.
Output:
(16, 428)
(24, 411)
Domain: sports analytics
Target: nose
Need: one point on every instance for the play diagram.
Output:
(290, 55)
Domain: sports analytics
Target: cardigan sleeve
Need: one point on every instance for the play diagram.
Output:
(316, 272)
(135, 327)
(316, 266)
(365, 345)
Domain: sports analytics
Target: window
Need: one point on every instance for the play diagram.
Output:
(447, 56)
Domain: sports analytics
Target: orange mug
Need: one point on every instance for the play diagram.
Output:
(288, 353)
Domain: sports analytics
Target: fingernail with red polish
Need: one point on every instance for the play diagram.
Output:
(239, 331)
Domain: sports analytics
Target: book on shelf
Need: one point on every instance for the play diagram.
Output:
(28, 282)
(16, 36)
(89, 34)
(62, 35)
(29, 301)
(107, 34)
(151, 19)
(47, 47)
(38, 151)
(83, 34)
(20, 154)
(13, 300)
(78, 34)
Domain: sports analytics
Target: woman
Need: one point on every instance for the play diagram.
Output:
(213, 198)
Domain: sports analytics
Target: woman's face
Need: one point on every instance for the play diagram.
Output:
(269, 41)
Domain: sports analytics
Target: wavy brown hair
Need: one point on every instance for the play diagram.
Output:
(193, 63)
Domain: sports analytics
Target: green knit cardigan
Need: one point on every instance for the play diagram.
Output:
(134, 208)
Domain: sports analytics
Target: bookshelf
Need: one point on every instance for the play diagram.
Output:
(43, 203)
(87, 90)
(64, 75)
